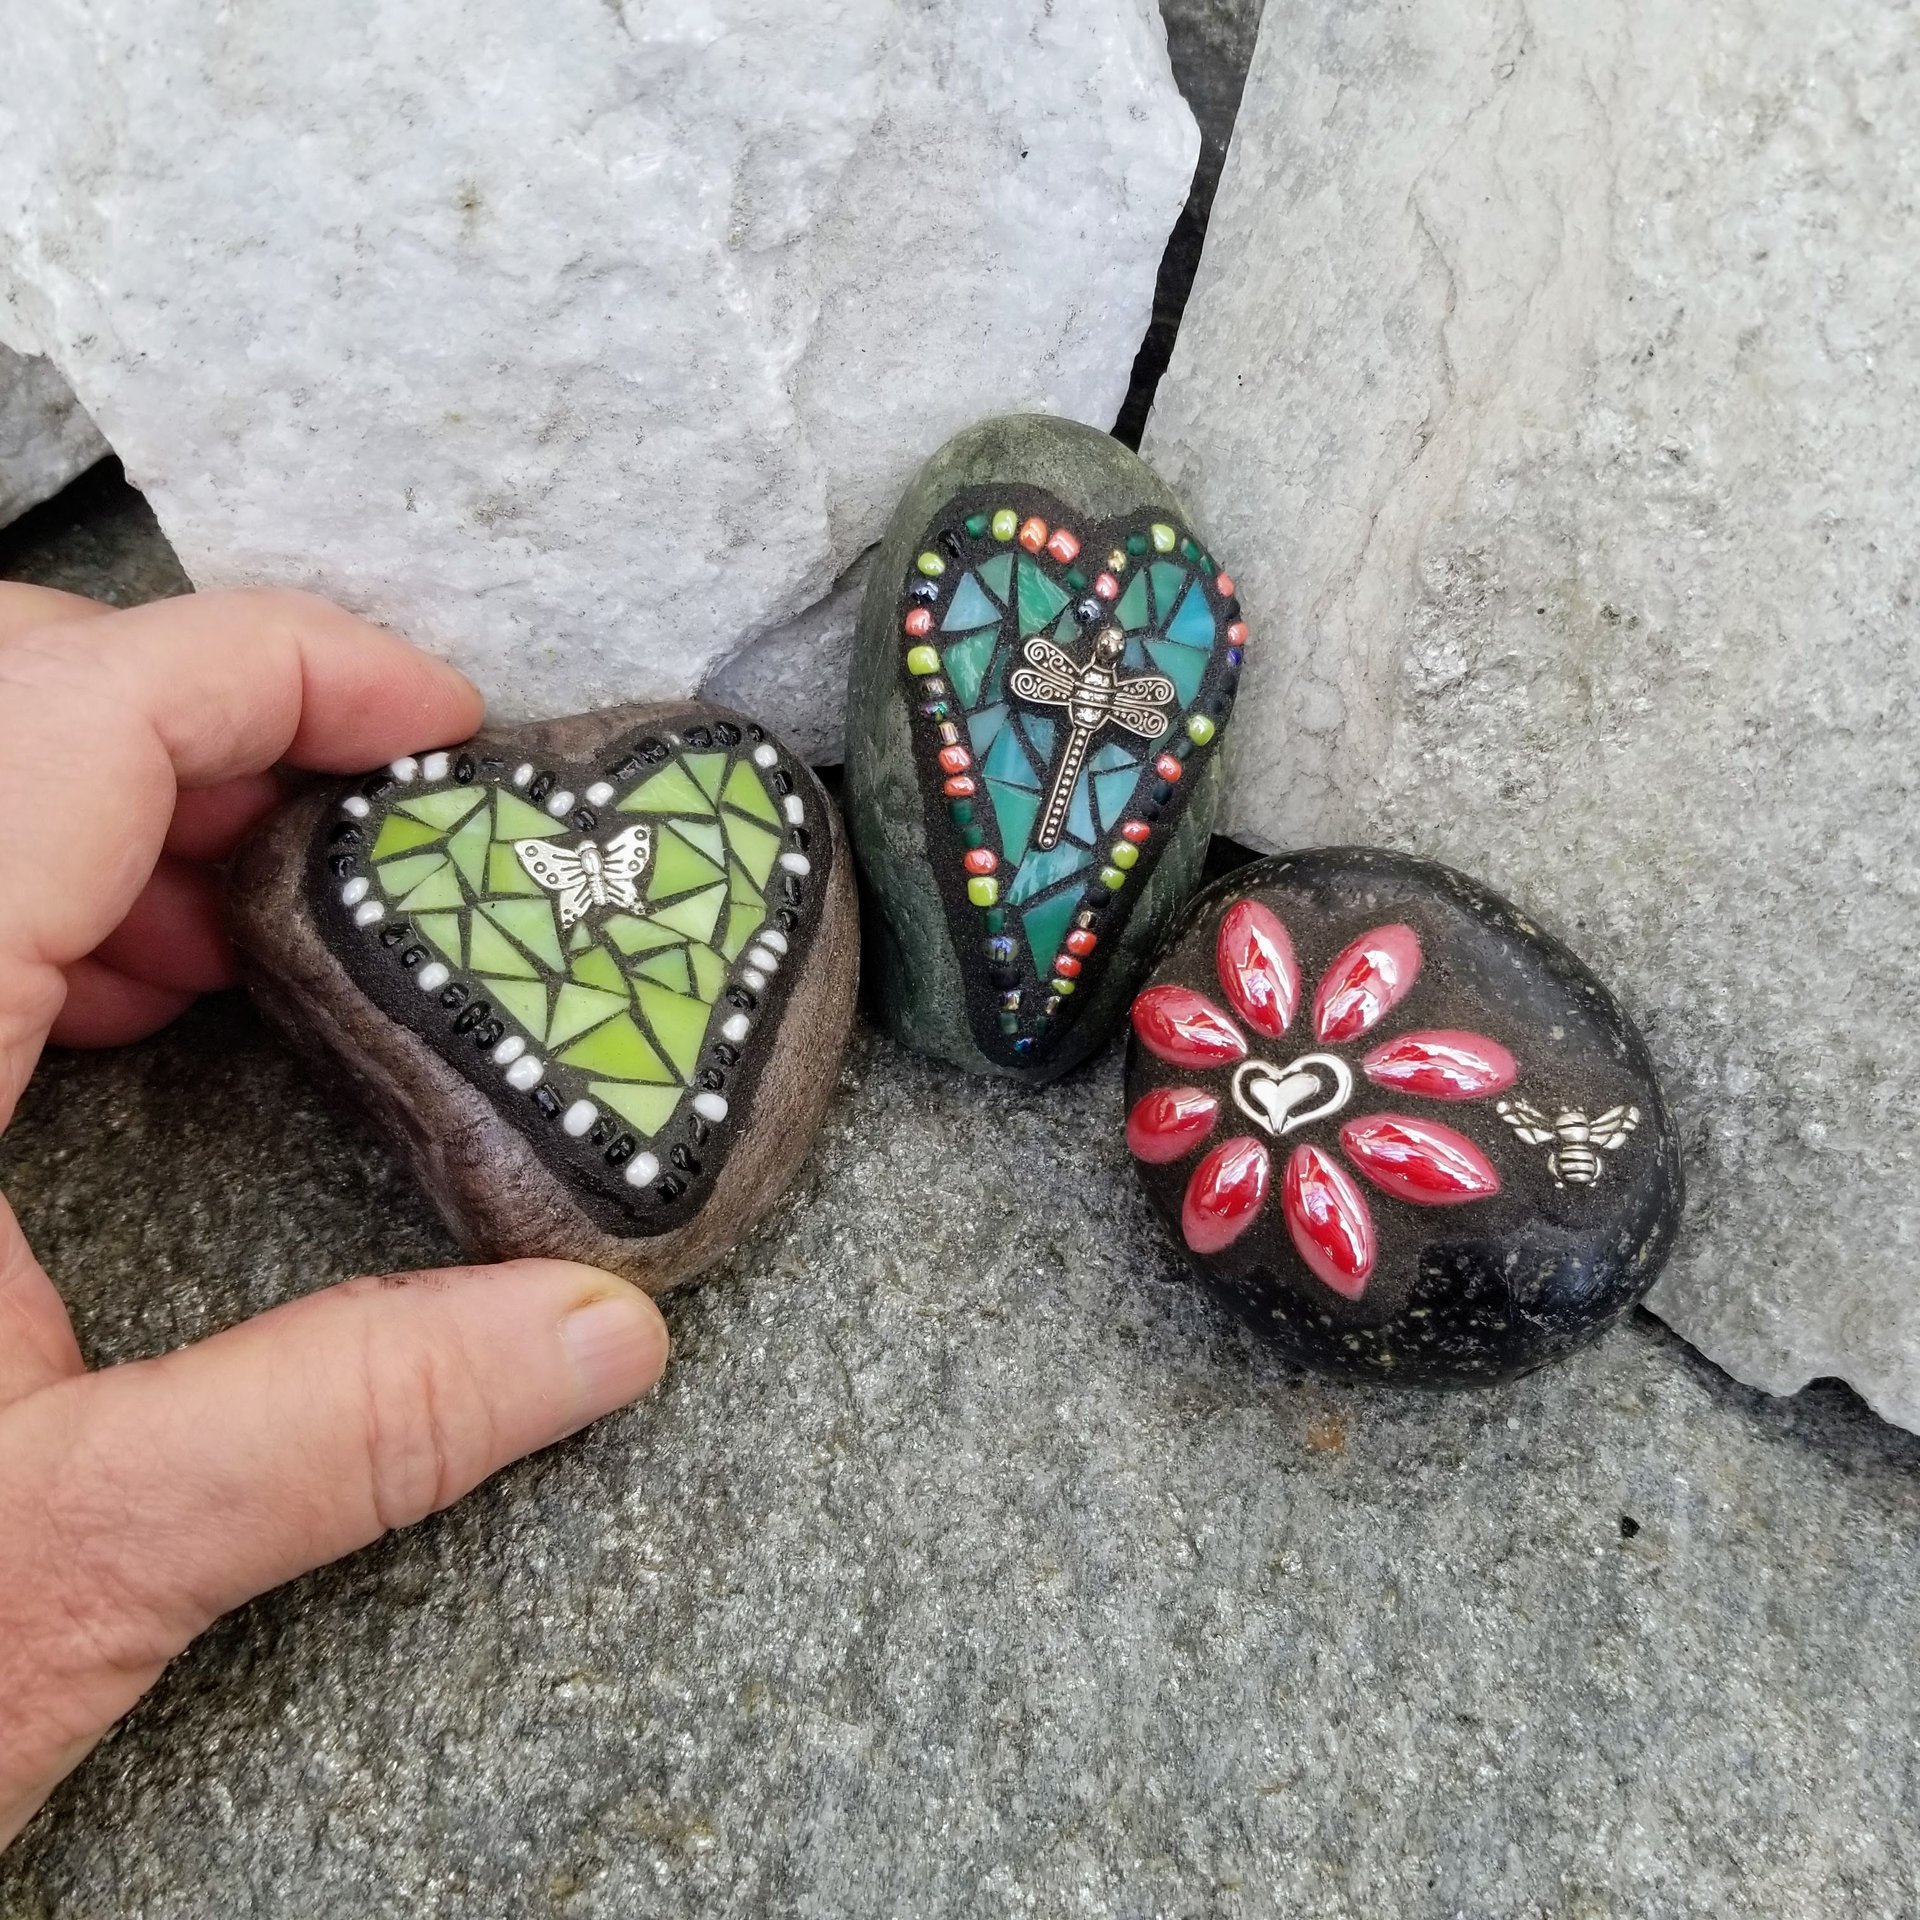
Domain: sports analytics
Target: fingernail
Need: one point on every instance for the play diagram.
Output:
(618, 1347)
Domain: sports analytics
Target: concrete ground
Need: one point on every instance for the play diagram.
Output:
(967, 1563)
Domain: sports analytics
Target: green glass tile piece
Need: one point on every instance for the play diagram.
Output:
(1111, 792)
(678, 867)
(996, 575)
(747, 791)
(578, 938)
(577, 1008)
(1168, 581)
(490, 951)
(1186, 667)
(442, 932)
(598, 968)
(645, 1109)
(469, 848)
(1008, 762)
(671, 790)
(620, 1050)
(709, 970)
(1132, 611)
(708, 770)
(441, 888)
(754, 847)
(1013, 811)
(704, 834)
(966, 662)
(514, 819)
(743, 922)
(505, 874)
(403, 875)
(631, 934)
(1039, 872)
(740, 885)
(971, 608)
(695, 915)
(525, 1000)
(1040, 599)
(679, 1024)
(398, 834)
(446, 808)
(669, 967)
(1046, 926)
(994, 686)
(1192, 624)
(531, 923)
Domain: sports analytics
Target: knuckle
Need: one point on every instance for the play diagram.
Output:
(429, 1435)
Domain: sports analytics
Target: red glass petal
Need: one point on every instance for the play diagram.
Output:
(1419, 1160)
(1168, 1122)
(1257, 969)
(1366, 982)
(1328, 1221)
(1444, 1064)
(1186, 1028)
(1225, 1193)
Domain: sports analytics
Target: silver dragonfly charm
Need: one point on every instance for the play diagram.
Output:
(1577, 1142)
(1095, 696)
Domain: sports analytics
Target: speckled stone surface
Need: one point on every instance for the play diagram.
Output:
(966, 1564)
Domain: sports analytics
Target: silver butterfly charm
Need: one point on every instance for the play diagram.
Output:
(589, 876)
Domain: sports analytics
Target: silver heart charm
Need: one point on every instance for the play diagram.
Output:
(1281, 1099)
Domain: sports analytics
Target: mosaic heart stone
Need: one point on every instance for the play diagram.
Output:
(1399, 1129)
(592, 979)
(1047, 656)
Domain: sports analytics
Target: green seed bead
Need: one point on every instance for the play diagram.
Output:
(1190, 550)
(1112, 879)
(1200, 729)
(1060, 986)
(1123, 853)
(1006, 523)
(931, 564)
(996, 920)
(976, 524)
(1076, 580)
(983, 890)
(923, 660)
(1136, 544)
(974, 836)
(1164, 537)
(961, 812)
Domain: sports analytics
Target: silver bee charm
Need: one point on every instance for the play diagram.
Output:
(589, 876)
(1577, 1142)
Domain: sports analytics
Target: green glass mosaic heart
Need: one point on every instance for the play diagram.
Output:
(600, 945)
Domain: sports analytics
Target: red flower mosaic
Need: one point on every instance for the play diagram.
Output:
(1405, 1156)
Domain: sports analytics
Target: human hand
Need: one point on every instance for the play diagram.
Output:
(139, 1503)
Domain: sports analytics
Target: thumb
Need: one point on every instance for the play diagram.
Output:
(140, 1503)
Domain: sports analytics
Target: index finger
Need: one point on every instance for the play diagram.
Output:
(102, 720)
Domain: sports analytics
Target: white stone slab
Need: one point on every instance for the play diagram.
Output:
(1552, 386)
(585, 342)
(46, 438)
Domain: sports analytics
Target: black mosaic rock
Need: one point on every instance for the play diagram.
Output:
(1046, 658)
(591, 979)
(1402, 1131)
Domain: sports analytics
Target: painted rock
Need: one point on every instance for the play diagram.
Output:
(1403, 1132)
(1047, 656)
(592, 979)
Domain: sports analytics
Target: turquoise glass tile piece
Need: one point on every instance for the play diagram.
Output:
(1186, 667)
(971, 608)
(983, 728)
(966, 660)
(1080, 809)
(1133, 612)
(1135, 658)
(1111, 792)
(1113, 754)
(1013, 810)
(996, 575)
(1046, 926)
(1040, 735)
(1040, 872)
(1008, 761)
(1192, 625)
